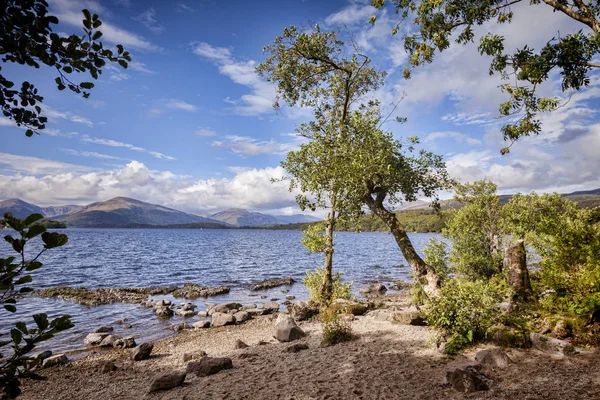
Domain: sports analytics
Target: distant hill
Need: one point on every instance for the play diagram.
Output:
(123, 211)
(19, 208)
(241, 217)
(296, 219)
(54, 211)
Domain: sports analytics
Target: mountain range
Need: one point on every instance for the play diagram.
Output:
(123, 211)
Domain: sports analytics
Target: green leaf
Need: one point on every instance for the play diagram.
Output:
(86, 85)
(33, 265)
(41, 320)
(35, 230)
(10, 308)
(98, 34)
(54, 239)
(33, 218)
(23, 279)
(123, 63)
(87, 14)
(16, 335)
(22, 327)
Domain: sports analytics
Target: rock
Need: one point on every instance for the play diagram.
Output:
(409, 318)
(167, 381)
(263, 296)
(271, 307)
(201, 325)
(301, 311)
(364, 290)
(119, 322)
(286, 329)
(271, 283)
(109, 341)
(248, 307)
(202, 314)
(208, 366)
(142, 352)
(52, 361)
(505, 336)
(355, 308)
(296, 347)
(551, 345)
(127, 326)
(546, 327)
(374, 289)
(255, 312)
(188, 306)
(44, 354)
(284, 291)
(181, 327)
(104, 329)
(223, 308)
(162, 303)
(286, 303)
(196, 355)
(241, 316)
(163, 312)
(185, 313)
(106, 366)
(94, 339)
(193, 291)
(347, 317)
(561, 330)
(222, 319)
(378, 287)
(125, 343)
(467, 378)
(290, 297)
(494, 358)
(240, 345)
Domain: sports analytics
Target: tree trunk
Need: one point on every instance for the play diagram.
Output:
(327, 287)
(515, 264)
(422, 271)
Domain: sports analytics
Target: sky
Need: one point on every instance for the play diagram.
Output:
(190, 125)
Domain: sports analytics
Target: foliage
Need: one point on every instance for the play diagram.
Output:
(314, 281)
(27, 39)
(14, 275)
(463, 312)
(436, 255)
(335, 329)
(474, 231)
(313, 238)
(569, 56)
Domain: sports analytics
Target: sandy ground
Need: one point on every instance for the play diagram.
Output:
(385, 361)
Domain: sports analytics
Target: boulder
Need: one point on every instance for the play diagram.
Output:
(195, 355)
(181, 327)
(44, 354)
(240, 345)
(184, 313)
(188, 306)
(109, 341)
(355, 308)
(467, 378)
(271, 283)
(163, 312)
(208, 366)
(104, 329)
(286, 329)
(241, 316)
(551, 345)
(495, 359)
(201, 325)
(364, 290)
(106, 366)
(222, 319)
(301, 311)
(561, 330)
(290, 297)
(255, 312)
(127, 326)
(167, 381)
(202, 314)
(505, 336)
(296, 347)
(94, 339)
(142, 352)
(248, 307)
(125, 343)
(409, 318)
(223, 308)
(378, 287)
(271, 307)
(162, 303)
(52, 361)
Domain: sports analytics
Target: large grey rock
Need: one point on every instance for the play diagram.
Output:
(241, 316)
(181, 327)
(222, 319)
(223, 308)
(301, 311)
(209, 366)
(194, 355)
(142, 352)
(494, 358)
(104, 329)
(167, 381)
(409, 318)
(271, 307)
(94, 339)
(162, 303)
(271, 283)
(109, 341)
(184, 313)
(125, 343)
(52, 361)
(201, 325)
(286, 329)
(163, 312)
(467, 378)
(551, 345)
(255, 312)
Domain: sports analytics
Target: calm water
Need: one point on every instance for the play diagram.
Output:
(163, 257)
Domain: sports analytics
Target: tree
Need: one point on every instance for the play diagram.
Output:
(571, 55)
(13, 278)
(26, 38)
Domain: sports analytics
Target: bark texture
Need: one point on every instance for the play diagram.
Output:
(327, 288)
(515, 265)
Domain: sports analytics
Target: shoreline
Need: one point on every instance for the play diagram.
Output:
(385, 360)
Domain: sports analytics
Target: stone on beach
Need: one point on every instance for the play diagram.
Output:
(201, 325)
(241, 316)
(142, 352)
(109, 341)
(286, 329)
(94, 339)
(222, 319)
(167, 381)
(125, 343)
(271, 283)
(52, 361)
(467, 377)
(209, 366)
(494, 358)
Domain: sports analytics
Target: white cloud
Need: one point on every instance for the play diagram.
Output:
(54, 115)
(262, 95)
(148, 19)
(34, 165)
(458, 136)
(92, 154)
(351, 14)
(182, 7)
(116, 143)
(180, 105)
(205, 132)
(245, 145)
(247, 188)
(140, 67)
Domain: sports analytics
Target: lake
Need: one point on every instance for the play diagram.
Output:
(211, 257)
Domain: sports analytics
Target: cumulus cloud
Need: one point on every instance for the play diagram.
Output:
(205, 132)
(247, 188)
(116, 143)
(245, 145)
(34, 165)
(180, 105)
(457, 136)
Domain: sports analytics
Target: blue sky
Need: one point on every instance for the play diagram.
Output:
(190, 125)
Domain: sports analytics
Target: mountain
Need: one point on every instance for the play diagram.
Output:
(296, 219)
(54, 211)
(123, 211)
(19, 208)
(241, 217)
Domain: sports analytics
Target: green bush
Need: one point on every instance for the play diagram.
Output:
(463, 312)
(314, 282)
(335, 329)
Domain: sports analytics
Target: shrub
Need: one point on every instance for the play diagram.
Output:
(13, 274)
(335, 329)
(436, 255)
(463, 312)
(314, 282)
